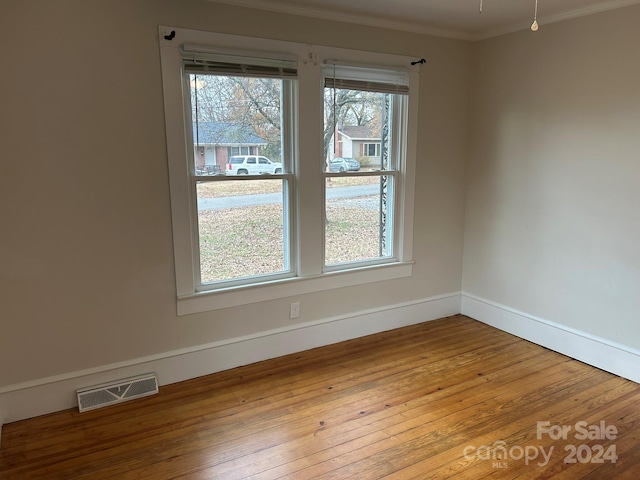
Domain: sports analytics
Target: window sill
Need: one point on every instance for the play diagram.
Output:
(232, 297)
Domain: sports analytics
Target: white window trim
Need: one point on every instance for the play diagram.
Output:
(310, 276)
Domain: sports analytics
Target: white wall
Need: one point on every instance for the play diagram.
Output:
(87, 279)
(553, 199)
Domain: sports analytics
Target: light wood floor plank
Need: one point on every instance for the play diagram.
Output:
(399, 404)
(429, 433)
(338, 428)
(563, 409)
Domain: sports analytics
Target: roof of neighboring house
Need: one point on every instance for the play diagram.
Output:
(362, 132)
(221, 133)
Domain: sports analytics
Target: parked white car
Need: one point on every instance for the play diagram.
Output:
(252, 165)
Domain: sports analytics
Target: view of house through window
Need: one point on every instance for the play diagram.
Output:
(237, 143)
(277, 187)
(242, 176)
(361, 174)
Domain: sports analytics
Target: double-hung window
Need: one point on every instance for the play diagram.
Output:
(271, 195)
(361, 203)
(243, 222)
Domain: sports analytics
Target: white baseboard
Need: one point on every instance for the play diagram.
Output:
(599, 352)
(57, 393)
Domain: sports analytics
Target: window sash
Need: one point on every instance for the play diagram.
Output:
(396, 151)
(288, 205)
(288, 237)
(392, 213)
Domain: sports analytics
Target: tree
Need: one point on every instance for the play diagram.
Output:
(246, 102)
(255, 102)
(349, 107)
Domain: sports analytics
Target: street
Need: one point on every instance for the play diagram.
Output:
(334, 193)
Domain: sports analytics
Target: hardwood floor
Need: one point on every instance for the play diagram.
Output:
(431, 401)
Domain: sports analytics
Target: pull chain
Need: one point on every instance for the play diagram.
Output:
(534, 25)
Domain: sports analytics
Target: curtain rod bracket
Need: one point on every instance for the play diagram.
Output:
(171, 36)
(421, 61)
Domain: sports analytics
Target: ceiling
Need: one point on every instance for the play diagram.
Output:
(446, 18)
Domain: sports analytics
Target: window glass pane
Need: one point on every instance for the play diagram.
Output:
(234, 116)
(241, 229)
(241, 224)
(359, 209)
(356, 125)
(358, 220)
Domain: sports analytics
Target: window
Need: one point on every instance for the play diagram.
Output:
(242, 226)
(231, 151)
(361, 205)
(371, 149)
(275, 220)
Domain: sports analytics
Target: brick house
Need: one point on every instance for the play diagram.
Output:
(215, 142)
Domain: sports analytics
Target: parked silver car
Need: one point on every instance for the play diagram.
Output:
(340, 164)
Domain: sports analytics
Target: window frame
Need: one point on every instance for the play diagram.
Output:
(398, 114)
(306, 195)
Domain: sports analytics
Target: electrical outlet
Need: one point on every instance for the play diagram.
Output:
(294, 311)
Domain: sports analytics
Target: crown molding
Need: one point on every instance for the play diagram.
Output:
(367, 20)
(412, 27)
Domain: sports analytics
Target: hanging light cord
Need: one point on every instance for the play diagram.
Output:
(534, 25)
(335, 116)
(195, 85)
